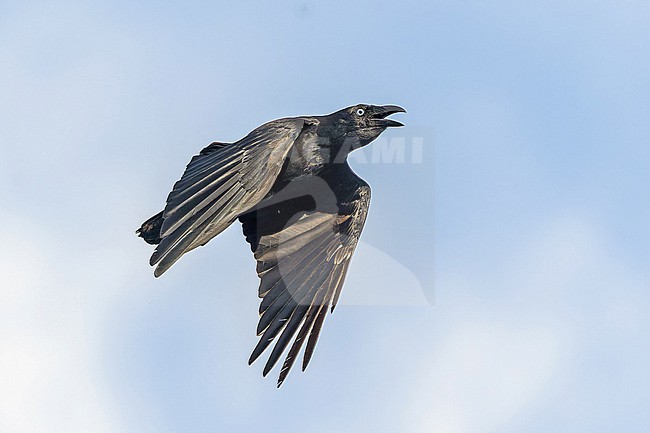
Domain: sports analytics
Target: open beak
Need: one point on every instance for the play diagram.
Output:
(381, 112)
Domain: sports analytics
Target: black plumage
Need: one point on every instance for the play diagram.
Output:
(302, 209)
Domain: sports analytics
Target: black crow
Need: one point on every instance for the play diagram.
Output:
(302, 209)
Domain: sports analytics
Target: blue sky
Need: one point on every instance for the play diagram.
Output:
(501, 283)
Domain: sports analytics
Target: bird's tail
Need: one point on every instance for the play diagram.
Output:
(150, 229)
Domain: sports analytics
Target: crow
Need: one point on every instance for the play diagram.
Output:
(302, 209)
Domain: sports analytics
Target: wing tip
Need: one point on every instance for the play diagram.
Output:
(159, 271)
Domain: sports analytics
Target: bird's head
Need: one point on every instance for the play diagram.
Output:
(362, 123)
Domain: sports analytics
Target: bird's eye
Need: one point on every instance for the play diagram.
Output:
(360, 111)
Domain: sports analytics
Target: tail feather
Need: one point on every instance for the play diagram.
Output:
(150, 229)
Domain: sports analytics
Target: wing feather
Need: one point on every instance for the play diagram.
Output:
(302, 263)
(221, 183)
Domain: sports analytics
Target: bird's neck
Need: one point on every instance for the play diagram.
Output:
(338, 151)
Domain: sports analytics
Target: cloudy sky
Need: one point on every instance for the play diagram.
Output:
(501, 283)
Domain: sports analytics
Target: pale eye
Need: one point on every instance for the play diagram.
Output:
(360, 112)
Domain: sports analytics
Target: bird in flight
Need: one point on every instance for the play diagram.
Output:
(302, 209)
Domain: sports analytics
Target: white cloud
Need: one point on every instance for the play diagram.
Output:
(551, 309)
(482, 374)
(46, 377)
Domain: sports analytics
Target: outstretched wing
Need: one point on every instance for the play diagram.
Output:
(219, 184)
(303, 251)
